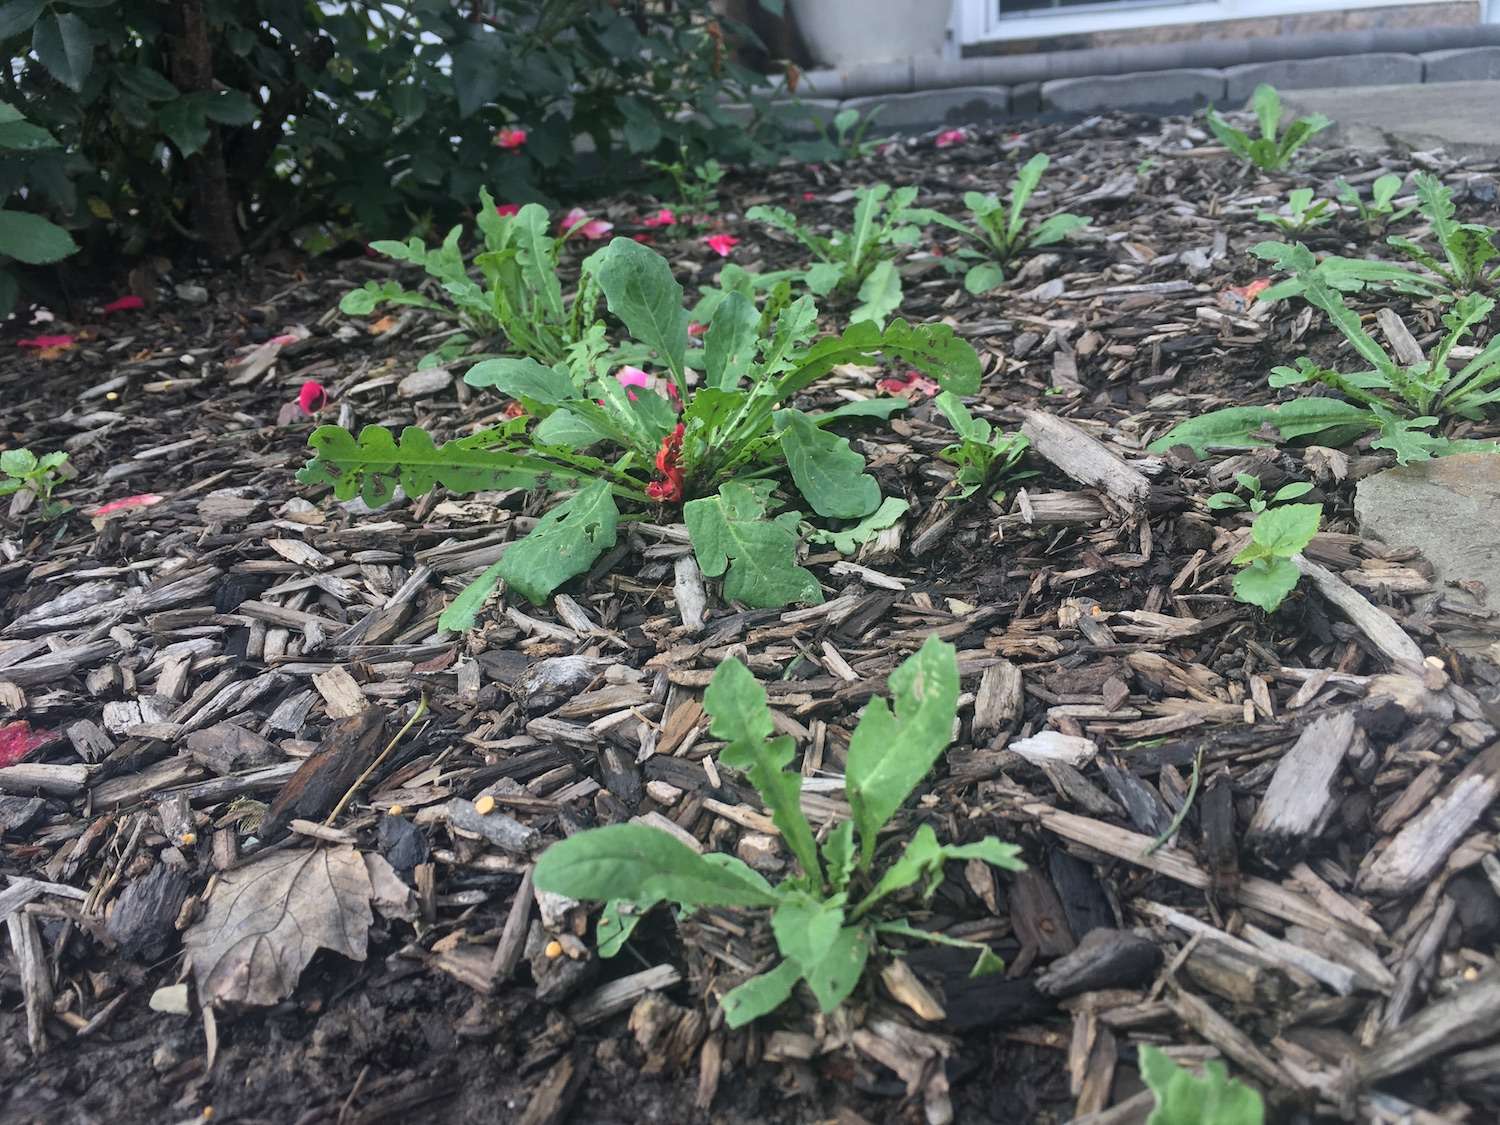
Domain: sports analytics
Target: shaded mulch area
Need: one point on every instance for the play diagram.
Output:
(1324, 915)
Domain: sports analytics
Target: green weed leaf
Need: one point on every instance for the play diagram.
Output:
(462, 611)
(760, 995)
(564, 544)
(827, 471)
(639, 288)
(1183, 1098)
(730, 532)
(849, 539)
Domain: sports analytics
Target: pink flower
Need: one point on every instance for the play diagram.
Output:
(809, 196)
(123, 304)
(632, 377)
(510, 139)
(949, 137)
(913, 385)
(663, 218)
(312, 397)
(696, 328)
(42, 342)
(143, 500)
(505, 210)
(577, 221)
(722, 244)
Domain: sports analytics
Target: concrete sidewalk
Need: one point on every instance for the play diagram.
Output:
(1461, 117)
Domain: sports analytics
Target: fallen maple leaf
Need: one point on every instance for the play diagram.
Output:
(17, 740)
(265, 921)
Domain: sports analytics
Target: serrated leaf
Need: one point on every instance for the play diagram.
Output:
(826, 469)
(642, 865)
(1282, 532)
(760, 995)
(849, 539)
(891, 752)
(729, 343)
(65, 46)
(931, 348)
(730, 532)
(185, 124)
(376, 463)
(1266, 582)
(564, 544)
(1240, 427)
(32, 239)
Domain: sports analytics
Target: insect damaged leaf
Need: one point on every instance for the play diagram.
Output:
(564, 544)
(730, 532)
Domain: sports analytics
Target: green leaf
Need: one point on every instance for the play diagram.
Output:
(827, 471)
(1183, 1098)
(823, 278)
(729, 344)
(1282, 532)
(931, 348)
(17, 462)
(1267, 105)
(523, 379)
(849, 539)
(186, 126)
(806, 928)
(1291, 491)
(881, 408)
(737, 703)
(1266, 582)
(18, 16)
(838, 854)
(760, 995)
(1240, 427)
(569, 431)
(23, 136)
(730, 532)
(563, 544)
(65, 46)
(639, 288)
(890, 753)
(372, 467)
(617, 921)
(835, 976)
(642, 865)
(924, 857)
(32, 239)
(982, 278)
(879, 295)
(145, 83)
(461, 612)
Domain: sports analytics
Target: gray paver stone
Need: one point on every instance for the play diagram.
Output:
(1155, 89)
(1463, 64)
(1333, 71)
(962, 105)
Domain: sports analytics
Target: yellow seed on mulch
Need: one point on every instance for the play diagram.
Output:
(485, 805)
(553, 950)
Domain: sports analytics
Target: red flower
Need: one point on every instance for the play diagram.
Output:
(577, 221)
(696, 328)
(950, 137)
(505, 210)
(669, 465)
(722, 244)
(644, 239)
(312, 397)
(663, 218)
(510, 139)
(809, 196)
(43, 342)
(141, 500)
(123, 304)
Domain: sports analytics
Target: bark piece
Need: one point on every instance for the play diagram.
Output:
(1085, 458)
(1104, 959)
(347, 749)
(1301, 796)
(142, 921)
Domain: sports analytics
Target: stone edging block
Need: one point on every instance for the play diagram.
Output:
(1155, 89)
(960, 105)
(1334, 71)
(1462, 64)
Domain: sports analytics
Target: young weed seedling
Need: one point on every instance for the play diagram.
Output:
(696, 187)
(828, 917)
(1301, 212)
(858, 263)
(1268, 152)
(1258, 501)
(1347, 275)
(720, 459)
(521, 296)
(982, 454)
(1400, 401)
(40, 475)
(1184, 1098)
(1003, 230)
(1276, 537)
(1381, 210)
(1467, 247)
(847, 136)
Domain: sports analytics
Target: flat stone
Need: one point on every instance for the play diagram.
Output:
(1449, 509)
(1462, 64)
(1456, 116)
(430, 381)
(962, 105)
(1333, 72)
(1151, 89)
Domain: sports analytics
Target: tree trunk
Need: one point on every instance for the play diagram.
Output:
(213, 202)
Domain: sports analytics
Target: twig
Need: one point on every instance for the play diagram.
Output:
(1187, 803)
(379, 758)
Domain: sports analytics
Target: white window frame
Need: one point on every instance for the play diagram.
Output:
(979, 21)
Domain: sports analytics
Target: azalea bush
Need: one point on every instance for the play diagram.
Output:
(238, 122)
(519, 295)
(1400, 402)
(26, 239)
(712, 449)
(858, 264)
(828, 917)
(1003, 231)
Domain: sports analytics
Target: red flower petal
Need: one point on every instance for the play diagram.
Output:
(142, 500)
(123, 304)
(312, 397)
(46, 342)
(18, 740)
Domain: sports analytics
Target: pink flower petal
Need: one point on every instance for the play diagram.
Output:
(143, 500)
(644, 239)
(722, 244)
(663, 218)
(809, 196)
(949, 137)
(123, 304)
(632, 377)
(595, 229)
(695, 328)
(505, 210)
(510, 139)
(913, 385)
(17, 740)
(312, 397)
(46, 342)
(284, 339)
